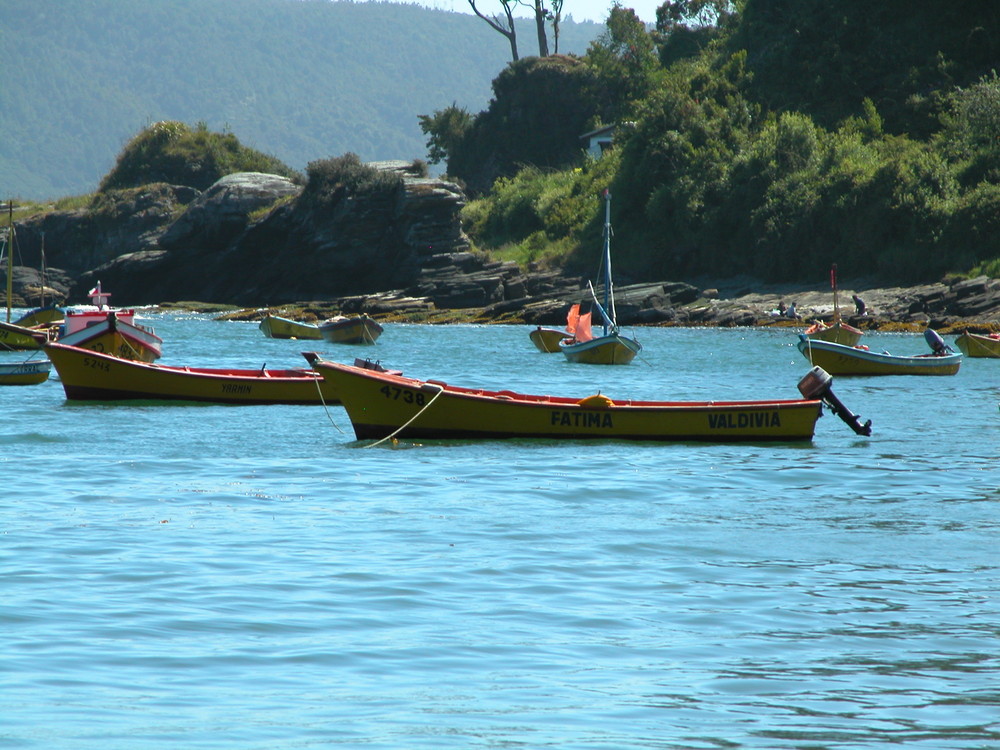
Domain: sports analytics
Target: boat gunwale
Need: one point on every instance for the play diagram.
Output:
(546, 401)
(819, 326)
(290, 374)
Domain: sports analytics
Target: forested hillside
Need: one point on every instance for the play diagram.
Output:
(299, 79)
(763, 137)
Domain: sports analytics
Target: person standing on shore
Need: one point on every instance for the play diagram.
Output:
(859, 305)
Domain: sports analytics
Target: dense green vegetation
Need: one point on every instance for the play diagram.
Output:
(769, 137)
(786, 135)
(174, 153)
(300, 79)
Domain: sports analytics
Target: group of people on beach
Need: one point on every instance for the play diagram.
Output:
(790, 312)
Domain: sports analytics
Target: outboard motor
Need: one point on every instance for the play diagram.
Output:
(817, 383)
(936, 343)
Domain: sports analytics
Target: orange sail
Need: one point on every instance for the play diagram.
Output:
(578, 324)
(583, 332)
(572, 319)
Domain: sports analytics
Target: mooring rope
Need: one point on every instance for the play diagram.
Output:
(809, 351)
(426, 406)
(322, 400)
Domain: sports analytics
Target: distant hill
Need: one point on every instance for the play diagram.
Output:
(300, 80)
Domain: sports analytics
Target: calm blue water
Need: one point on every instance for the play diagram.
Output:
(204, 576)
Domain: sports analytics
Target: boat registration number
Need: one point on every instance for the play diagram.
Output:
(395, 393)
(96, 364)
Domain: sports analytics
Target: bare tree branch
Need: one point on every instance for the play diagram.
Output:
(502, 24)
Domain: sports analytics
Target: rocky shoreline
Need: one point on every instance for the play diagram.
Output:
(947, 306)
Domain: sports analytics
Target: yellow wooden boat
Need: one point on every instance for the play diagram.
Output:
(359, 329)
(838, 332)
(977, 345)
(110, 330)
(276, 327)
(89, 375)
(14, 337)
(23, 334)
(47, 315)
(547, 340)
(612, 349)
(382, 404)
(28, 372)
(838, 359)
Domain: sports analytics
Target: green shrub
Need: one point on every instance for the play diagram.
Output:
(329, 180)
(176, 154)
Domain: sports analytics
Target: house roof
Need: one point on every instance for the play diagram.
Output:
(607, 129)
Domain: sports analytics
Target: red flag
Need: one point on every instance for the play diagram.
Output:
(833, 276)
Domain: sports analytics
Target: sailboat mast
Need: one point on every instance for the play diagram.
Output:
(10, 256)
(836, 303)
(42, 266)
(609, 297)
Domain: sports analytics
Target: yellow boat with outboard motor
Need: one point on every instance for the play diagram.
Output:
(384, 404)
(838, 359)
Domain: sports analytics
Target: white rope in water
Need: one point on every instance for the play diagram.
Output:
(390, 436)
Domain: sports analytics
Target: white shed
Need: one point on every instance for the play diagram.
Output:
(598, 141)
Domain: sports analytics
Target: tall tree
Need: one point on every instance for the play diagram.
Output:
(541, 16)
(555, 15)
(624, 56)
(503, 24)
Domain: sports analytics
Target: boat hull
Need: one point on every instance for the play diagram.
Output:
(30, 372)
(88, 375)
(837, 333)
(275, 327)
(360, 330)
(838, 359)
(16, 337)
(42, 316)
(547, 340)
(975, 345)
(112, 335)
(604, 350)
(380, 405)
